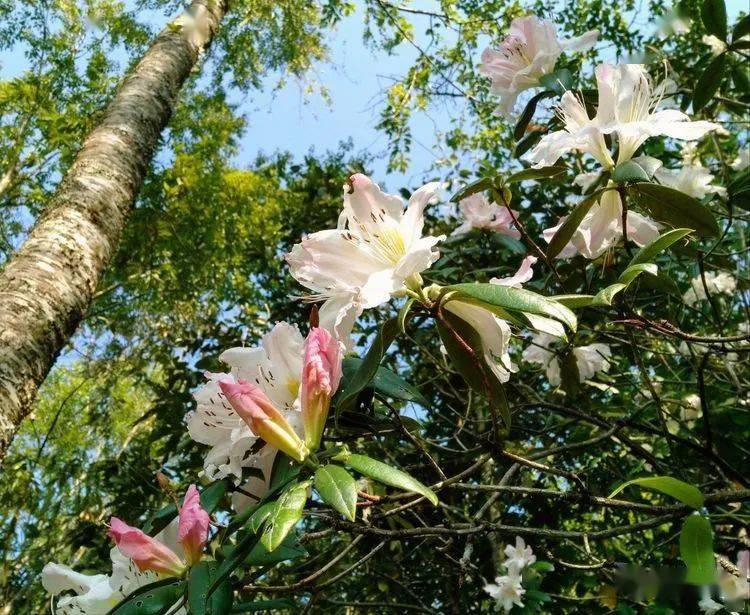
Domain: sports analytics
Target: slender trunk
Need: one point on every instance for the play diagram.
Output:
(48, 284)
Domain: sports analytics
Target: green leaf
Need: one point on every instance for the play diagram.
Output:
(480, 185)
(709, 81)
(544, 172)
(559, 81)
(285, 515)
(685, 493)
(525, 144)
(289, 549)
(403, 314)
(570, 377)
(573, 301)
(258, 518)
(369, 366)
(387, 475)
(153, 599)
(607, 295)
(385, 382)
(571, 224)
(674, 207)
(697, 550)
(528, 113)
(661, 243)
(262, 606)
(714, 16)
(509, 300)
(202, 575)
(741, 28)
(338, 489)
(629, 172)
(465, 348)
(233, 560)
(739, 190)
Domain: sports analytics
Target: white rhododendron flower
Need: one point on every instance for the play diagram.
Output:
(694, 180)
(97, 594)
(601, 228)
(479, 213)
(709, 606)
(275, 367)
(743, 159)
(628, 108)
(377, 250)
(529, 52)
(518, 556)
(714, 43)
(590, 359)
(507, 591)
(716, 283)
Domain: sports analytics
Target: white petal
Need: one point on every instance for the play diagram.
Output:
(523, 275)
(581, 43)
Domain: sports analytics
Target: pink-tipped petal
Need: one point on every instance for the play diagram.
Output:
(147, 553)
(192, 531)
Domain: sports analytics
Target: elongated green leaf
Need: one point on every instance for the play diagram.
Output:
(289, 549)
(153, 599)
(285, 515)
(404, 313)
(387, 475)
(714, 16)
(633, 271)
(525, 144)
(385, 382)
(570, 377)
(739, 190)
(338, 489)
(607, 295)
(674, 207)
(685, 493)
(709, 82)
(543, 173)
(661, 243)
(233, 560)
(571, 224)
(263, 606)
(480, 185)
(259, 517)
(630, 171)
(465, 348)
(511, 300)
(697, 550)
(528, 113)
(369, 366)
(574, 301)
(202, 575)
(741, 28)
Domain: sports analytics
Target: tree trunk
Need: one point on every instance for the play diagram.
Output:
(47, 286)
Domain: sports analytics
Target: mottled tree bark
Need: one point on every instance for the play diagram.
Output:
(47, 286)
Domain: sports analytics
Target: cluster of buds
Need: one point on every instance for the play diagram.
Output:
(321, 375)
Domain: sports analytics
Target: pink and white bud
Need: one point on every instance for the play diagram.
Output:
(192, 531)
(321, 375)
(264, 419)
(147, 553)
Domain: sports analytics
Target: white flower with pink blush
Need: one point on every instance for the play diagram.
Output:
(519, 556)
(692, 179)
(376, 250)
(528, 52)
(507, 591)
(137, 560)
(479, 213)
(275, 397)
(628, 108)
(590, 359)
(601, 228)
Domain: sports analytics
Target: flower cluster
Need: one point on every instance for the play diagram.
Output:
(507, 590)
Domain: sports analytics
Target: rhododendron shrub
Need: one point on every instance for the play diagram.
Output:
(497, 385)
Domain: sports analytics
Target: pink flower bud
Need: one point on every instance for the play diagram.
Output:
(266, 422)
(321, 375)
(147, 553)
(192, 532)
